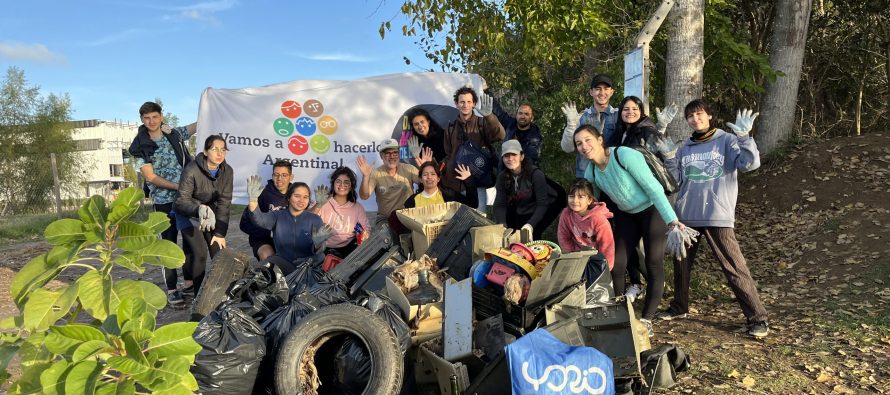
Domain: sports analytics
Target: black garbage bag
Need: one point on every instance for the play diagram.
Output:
(260, 292)
(349, 370)
(304, 276)
(328, 291)
(277, 326)
(232, 347)
(386, 309)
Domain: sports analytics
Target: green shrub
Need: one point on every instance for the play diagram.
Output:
(118, 350)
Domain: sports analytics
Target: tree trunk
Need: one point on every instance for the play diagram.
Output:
(786, 55)
(685, 60)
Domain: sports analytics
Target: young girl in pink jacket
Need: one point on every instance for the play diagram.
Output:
(585, 222)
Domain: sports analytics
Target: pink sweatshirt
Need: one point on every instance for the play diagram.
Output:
(342, 219)
(591, 230)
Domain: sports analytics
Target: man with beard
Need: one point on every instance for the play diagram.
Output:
(523, 128)
(392, 182)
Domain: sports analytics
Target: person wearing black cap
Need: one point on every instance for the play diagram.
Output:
(600, 115)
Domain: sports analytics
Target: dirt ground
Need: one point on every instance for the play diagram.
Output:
(815, 228)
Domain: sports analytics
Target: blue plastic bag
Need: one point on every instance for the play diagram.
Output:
(541, 364)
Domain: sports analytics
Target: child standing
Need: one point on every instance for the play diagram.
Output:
(585, 222)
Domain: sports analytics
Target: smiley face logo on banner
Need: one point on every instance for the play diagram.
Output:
(306, 119)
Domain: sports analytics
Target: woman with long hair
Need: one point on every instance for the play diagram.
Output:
(644, 211)
(341, 212)
(205, 194)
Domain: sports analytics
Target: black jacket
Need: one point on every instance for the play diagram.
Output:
(530, 197)
(641, 134)
(197, 187)
(530, 139)
(143, 147)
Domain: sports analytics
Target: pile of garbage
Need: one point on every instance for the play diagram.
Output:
(459, 303)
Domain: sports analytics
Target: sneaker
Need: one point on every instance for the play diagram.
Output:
(174, 299)
(670, 314)
(648, 325)
(190, 291)
(633, 292)
(758, 329)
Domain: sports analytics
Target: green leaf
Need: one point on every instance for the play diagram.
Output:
(91, 349)
(7, 351)
(125, 387)
(126, 204)
(127, 365)
(155, 299)
(165, 253)
(35, 274)
(134, 237)
(139, 335)
(174, 371)
(61, 345)
(133, 346)
(128, 309)
(93, 212)
(45, 307)
(81, 379)
(131, 260)
(80, 332)
(53, 379)
(157, 222)
(64, 231)
(174, 339)
(9, 323)
(110, 326)
(92, 290)
(145, 322)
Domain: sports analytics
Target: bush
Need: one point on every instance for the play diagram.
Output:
(118, 350)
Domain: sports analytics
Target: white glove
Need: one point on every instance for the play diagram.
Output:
(321, 235)
(322, 194)
(571, 114)
(744, 122)
(665, 117)
(414, 146)
(207, 218)
(166, 128)
(485, 104)
(527, 228)
(254, 188)
(664, 146)
(679, 240)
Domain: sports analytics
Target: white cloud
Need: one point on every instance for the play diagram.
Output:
(114, 37)
(336, 57)
(202, 12)
(29, 52)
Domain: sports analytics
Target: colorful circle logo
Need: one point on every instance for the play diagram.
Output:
(298, 145)
(327, 124)
(313, 108)
(283, 127)
(319, 144)
(291, 109)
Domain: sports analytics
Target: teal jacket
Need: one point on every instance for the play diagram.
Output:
(633, 190)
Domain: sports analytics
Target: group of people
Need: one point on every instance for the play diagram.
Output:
(615, 205)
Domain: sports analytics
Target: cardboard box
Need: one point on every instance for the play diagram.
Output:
(426, 222)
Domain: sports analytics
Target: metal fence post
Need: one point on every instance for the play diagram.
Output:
(56, 188)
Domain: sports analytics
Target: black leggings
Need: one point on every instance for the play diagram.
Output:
(629, 228)
(199, 246)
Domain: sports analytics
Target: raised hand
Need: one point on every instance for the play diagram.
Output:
(414, 146)
(321, 235)
(571, 113)
(744, 122)
(665, 117)
(322, 194)
(664, 146)
(425, 156)
(363, 165)
(254, 188)
(463, 172)
(486, 104)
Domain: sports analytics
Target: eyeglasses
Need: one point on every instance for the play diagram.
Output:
(342, 182)
(391, 153)
(280, 175)
(218, 150)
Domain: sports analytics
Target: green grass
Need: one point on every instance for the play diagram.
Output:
(29, 226)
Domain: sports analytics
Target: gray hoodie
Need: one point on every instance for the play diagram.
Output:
(707, 172)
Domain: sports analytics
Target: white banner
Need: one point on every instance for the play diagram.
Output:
(320, 125)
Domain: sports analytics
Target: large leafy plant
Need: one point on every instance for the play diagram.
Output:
(97, 334)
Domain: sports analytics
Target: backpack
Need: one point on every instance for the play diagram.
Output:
(664, 177)
(481, 161)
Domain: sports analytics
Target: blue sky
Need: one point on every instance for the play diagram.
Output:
(110, 57)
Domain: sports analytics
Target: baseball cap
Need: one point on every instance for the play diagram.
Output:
(388, 144)
(600, 79)
(511, 147)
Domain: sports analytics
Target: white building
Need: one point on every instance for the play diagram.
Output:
(103, 146)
